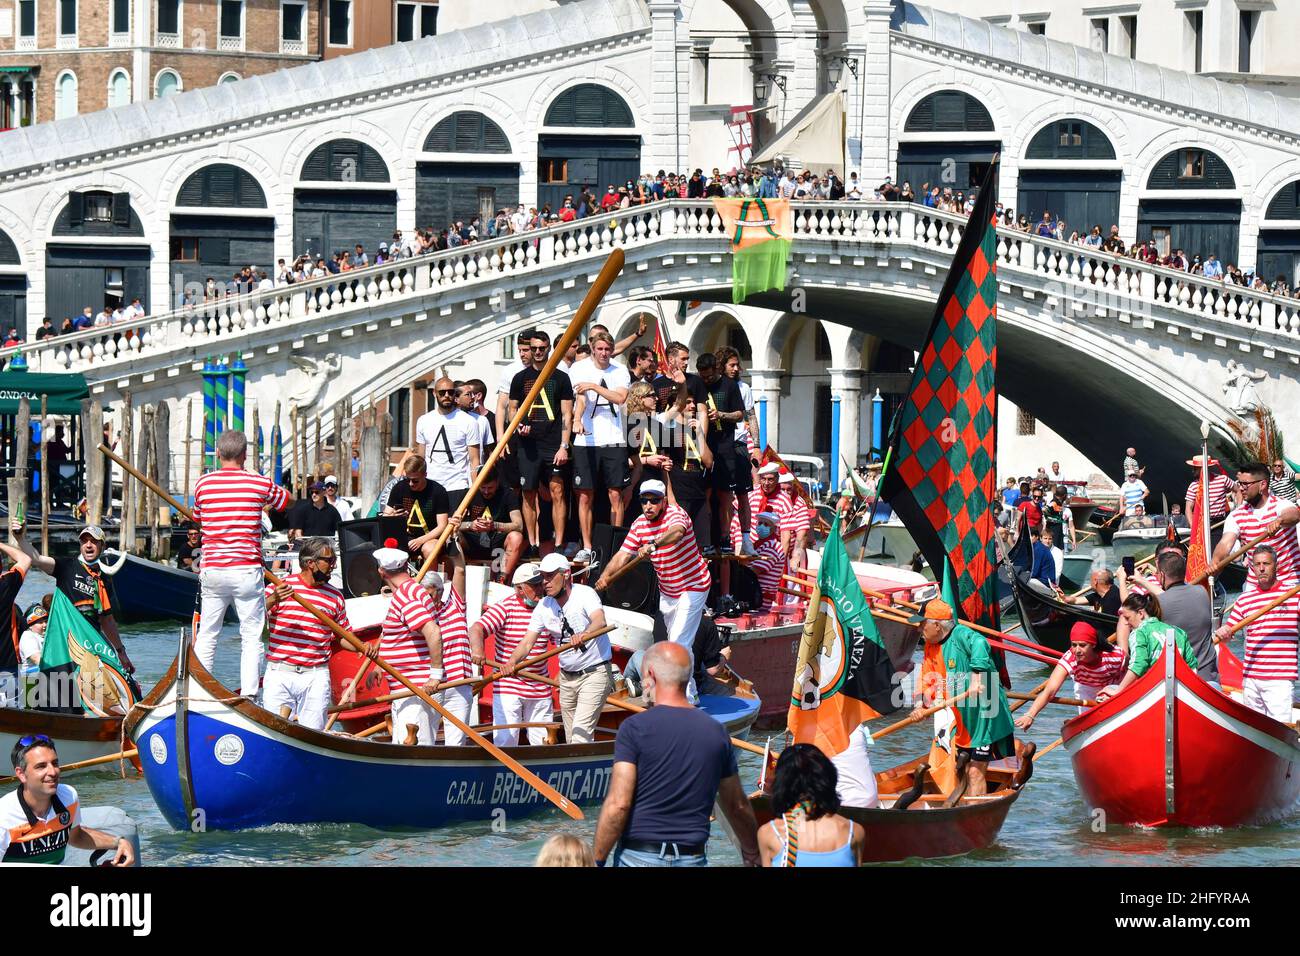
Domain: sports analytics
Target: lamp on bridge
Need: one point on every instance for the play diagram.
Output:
(835, 68)
(762, 82)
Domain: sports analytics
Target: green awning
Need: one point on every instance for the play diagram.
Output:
(19, 69)
(64, 392)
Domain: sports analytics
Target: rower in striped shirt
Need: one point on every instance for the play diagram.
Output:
(1262, 513)
(449, 610)
(664, 534)
(412, 644)
(228, 503)
(298, 648)
(515, 700)
(1269, 672)
(1091, 661)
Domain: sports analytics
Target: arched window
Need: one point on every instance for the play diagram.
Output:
(8, 251)
(166, 83)
(221, 184)
(1070, 139)
(345, 161)
(589, 104)
(119, 88)
(467, 132)
(65, 95)
(230, 77)
(1191, 168)
(949, 111)
(1286, 203)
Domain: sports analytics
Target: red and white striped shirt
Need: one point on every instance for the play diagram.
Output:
(1249, 523)
(402, 644)
(456, 663)
(1271, 641)
(769, 564)
(779, 504)
(1220, 486)
(229, 504)
(506, 623)
(799, 516)
(680, 566)
(295, 636)
(1090, 678)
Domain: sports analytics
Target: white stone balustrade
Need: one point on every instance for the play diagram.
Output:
(1081, 281)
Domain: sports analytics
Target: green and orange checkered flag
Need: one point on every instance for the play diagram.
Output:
(944, 435)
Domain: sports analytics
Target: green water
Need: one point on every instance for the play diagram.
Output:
(1049, 824)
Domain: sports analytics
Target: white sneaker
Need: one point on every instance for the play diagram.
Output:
(582, 557)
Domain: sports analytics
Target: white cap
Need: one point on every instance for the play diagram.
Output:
(330, 480)
(525, 573)
(787, 476)
(652, 487)
(94, 531)
(771, 468)
(769, 516)
(554, 562)
(391, 559)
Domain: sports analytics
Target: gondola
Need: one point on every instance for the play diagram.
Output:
(1173, 751)
(1047, 619)
(149, 591)
(912, 821)
(207, 751)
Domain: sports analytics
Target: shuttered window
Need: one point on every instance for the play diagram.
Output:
(467, 132)
(589, 105)
(345, 161)
(1191, 169)
(8, 251)
(1070, 139)
(949, 111)
(1286, 204)
(221, 185)
(169, 16)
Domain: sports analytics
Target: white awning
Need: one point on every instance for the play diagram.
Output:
(814, 138)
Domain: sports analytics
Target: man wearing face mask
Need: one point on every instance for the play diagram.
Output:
(515, 700)
(770, 561)
(298, 645)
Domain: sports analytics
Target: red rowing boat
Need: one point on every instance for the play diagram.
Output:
(1173, 751)
(912, 820)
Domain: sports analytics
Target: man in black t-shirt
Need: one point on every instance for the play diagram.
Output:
(666, 386)
(492, 528)
(543, 445)
(417, 509)
(190, 550)
(725, 408)
(315, 517)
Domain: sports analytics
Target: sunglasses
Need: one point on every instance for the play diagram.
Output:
(34, 739)
(446, 391)
(328, 561)
(650, 499)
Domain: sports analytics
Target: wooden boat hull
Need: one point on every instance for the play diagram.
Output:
(926, 829)
(244, 767)
(1141, 543)
(77, 738)
(1173, 751)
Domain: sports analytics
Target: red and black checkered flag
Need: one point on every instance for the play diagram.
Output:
(942, 475)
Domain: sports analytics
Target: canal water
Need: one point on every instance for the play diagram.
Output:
(1049, 825)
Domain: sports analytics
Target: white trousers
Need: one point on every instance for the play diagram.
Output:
(307, 694)
(513, 709)
(856, 783)
(412, 710)
(1272, 698)
(682, 620)
(241, 587)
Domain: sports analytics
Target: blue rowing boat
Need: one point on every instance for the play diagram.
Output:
(216, 761)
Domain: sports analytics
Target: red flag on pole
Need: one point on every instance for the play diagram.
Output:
(1198, 550)
(661, 346)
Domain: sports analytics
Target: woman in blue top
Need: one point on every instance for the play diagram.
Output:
(808, 830)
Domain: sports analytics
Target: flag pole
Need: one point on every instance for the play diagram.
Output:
(865, 530)
(809, 639)
(1205, 501)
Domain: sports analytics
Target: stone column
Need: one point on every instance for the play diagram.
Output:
(847, 384)
(803, 85)
(877, 151)
(854, 87)
(765, 383)
(669, 89)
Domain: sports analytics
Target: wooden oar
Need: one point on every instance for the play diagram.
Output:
(590, 303)
(1070, 701)
(1049, 748)
(481, 681)
(348, 695)
(92, 762)
(538, 784)
(1260, 613)
(620, 572)
(921, 715)
(1219, 565)
(637, 709)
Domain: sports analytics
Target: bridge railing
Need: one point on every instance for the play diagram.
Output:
(1087, 277)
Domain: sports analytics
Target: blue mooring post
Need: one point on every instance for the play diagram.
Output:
(762, 424)
(835, 443)
(877, 424)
